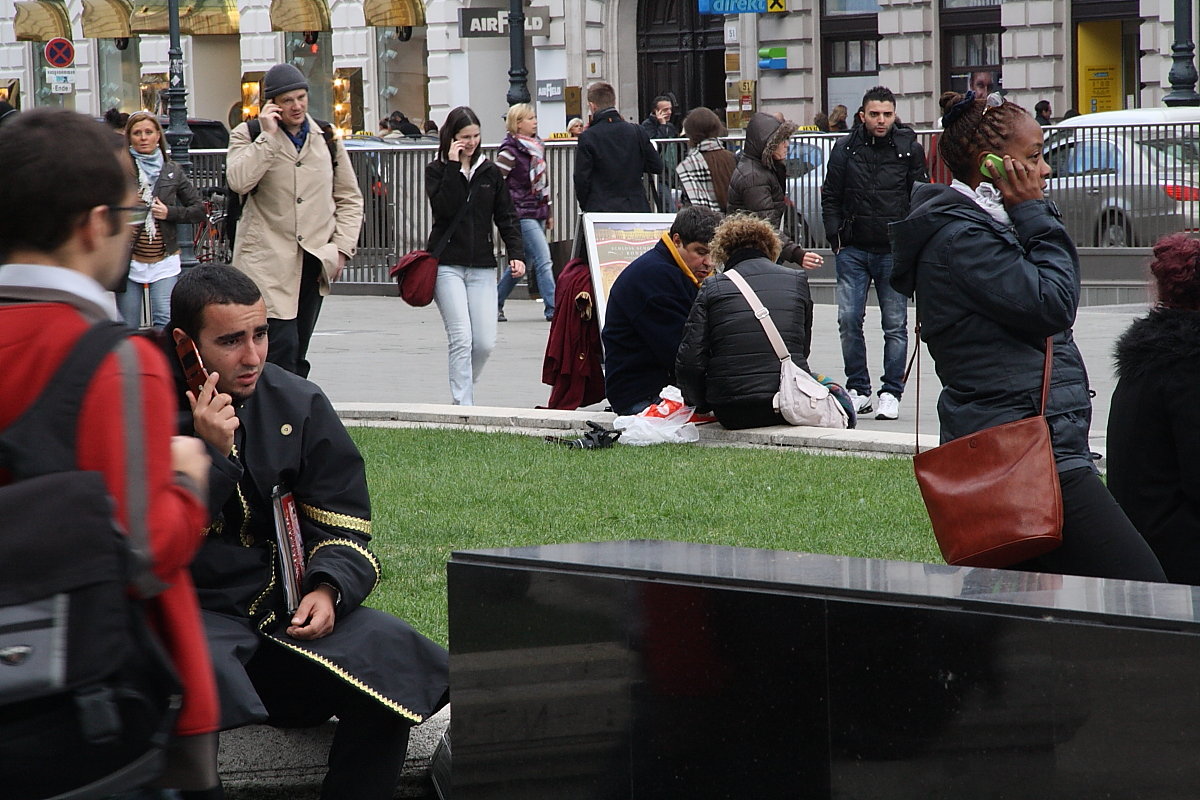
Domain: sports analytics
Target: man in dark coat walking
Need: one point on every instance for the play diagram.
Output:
(611, 156)
(294, 660)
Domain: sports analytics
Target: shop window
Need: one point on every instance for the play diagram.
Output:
(312, 54)
(969, 3)
(971, 46)
(849, 51)
(43, 95)
(120, 75)
(403, 83)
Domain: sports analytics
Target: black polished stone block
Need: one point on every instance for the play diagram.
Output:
(669, 670)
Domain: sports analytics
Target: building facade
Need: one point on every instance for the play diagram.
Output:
(367, 58)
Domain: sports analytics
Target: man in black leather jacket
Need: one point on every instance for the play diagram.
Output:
(871, 173)
(611, 156)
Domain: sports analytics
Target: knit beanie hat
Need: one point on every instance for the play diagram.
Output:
(282, 78)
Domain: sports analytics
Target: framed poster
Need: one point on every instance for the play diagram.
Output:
(612, 241)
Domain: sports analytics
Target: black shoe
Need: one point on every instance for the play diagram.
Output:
(500, 316)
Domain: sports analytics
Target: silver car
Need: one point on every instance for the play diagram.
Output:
(1126, 178)
(807, 160)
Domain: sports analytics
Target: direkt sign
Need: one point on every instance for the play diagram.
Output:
(477, 23)
(733, 6)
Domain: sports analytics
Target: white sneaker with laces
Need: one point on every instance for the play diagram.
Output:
(862, 402)
(889, 406)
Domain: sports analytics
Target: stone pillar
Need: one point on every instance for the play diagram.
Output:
(908, 56)
(793, 90)
(1033, 51)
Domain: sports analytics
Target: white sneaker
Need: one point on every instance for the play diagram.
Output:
(889, 406)
(862, 402)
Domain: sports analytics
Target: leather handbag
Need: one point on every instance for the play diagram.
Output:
(801, 399)
(993, 496)
(416, 271)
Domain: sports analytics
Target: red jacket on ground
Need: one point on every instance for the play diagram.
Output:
(572, 363)
(35, 338)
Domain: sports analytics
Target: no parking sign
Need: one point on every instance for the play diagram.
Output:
(59, 52)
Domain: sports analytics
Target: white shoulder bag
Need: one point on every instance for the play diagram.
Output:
(801, 399)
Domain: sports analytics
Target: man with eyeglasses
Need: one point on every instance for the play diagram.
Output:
(302, 211)
(68, 210)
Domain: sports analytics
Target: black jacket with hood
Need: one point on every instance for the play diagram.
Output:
(988, 295)
(758, 181)
(488, 201)
(1154, 436)
(867, 185)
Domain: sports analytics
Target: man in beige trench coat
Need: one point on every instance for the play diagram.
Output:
(301, 215)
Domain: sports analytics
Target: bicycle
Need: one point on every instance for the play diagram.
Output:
(210, 244)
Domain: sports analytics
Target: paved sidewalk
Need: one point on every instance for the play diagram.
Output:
(376, 350)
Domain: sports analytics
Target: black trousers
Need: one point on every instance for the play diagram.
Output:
(369, 742)
(1099, 541)
(289, 338)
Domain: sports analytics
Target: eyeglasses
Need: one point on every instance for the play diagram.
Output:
(137, 214)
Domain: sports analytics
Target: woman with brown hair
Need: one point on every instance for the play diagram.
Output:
(708, 166)
(1153, 424)
(995, 274)
(164, 186)
(725, 362)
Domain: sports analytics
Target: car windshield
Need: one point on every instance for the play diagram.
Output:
(803, 158)
(1182, 149)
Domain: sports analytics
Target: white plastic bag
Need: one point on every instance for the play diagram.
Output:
(669, 420)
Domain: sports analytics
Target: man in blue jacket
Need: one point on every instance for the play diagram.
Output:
(648, 307)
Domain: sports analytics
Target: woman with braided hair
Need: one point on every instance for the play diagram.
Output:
(994, 274)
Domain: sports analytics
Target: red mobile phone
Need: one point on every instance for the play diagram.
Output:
(193, 367)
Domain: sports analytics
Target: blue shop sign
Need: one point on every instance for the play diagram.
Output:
(733, 6)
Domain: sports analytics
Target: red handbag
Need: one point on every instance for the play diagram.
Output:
(993, 496)
(416, 276)
(416, 271)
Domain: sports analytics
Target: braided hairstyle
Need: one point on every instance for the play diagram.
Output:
(967, 131)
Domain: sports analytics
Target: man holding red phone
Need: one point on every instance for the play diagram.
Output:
(269, 431)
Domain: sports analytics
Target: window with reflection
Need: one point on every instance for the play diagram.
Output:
(833, 8)
(120, 75)
(969, 3)
(314, 59)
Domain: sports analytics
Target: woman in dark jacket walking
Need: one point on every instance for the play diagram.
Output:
(725, 362)
(1153, 425)
(462, 182)
(995, 274)
(522, 160)
(164, 186)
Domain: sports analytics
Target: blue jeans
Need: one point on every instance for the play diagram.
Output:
(466, 297)
(130, 303)
(856, 269)
(538, 265)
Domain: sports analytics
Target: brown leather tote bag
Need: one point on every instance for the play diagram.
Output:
(993, 496)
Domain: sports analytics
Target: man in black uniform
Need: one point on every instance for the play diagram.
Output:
(270, 432)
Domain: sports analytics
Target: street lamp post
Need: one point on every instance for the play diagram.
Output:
(518, 87)
(179, 135)
(1183, 67)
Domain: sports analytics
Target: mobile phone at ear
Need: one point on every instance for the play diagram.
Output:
(194, 373)
(997, 162)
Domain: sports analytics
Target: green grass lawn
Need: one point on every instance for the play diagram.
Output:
(438, 491)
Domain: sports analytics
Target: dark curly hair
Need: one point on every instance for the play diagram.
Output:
(973, 132)
(1176, 271)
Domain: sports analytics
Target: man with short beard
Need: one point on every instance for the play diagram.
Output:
(273, 434)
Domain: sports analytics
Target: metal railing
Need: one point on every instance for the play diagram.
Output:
(1147, 184)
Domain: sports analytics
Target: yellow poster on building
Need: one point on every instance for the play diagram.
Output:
(1099, 76)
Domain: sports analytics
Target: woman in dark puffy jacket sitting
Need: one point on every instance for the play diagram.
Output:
(725, 362)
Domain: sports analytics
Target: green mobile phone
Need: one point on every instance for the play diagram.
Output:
(997, 162)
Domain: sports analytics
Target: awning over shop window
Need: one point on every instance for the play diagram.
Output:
(41, 21)
(299, 15)
(390, 13)
(106, 19)
(196, 17)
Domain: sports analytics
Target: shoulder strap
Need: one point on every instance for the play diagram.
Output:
(761, 313)
(330, 140)
(42, 440)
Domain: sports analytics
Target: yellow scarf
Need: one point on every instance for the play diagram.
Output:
(675, 254)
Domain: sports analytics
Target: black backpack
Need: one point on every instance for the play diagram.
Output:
(235, 201)
(88, 696)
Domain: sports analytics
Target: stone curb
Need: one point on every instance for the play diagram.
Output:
(540, 422)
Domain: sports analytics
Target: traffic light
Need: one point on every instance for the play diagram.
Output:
(772, 58)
